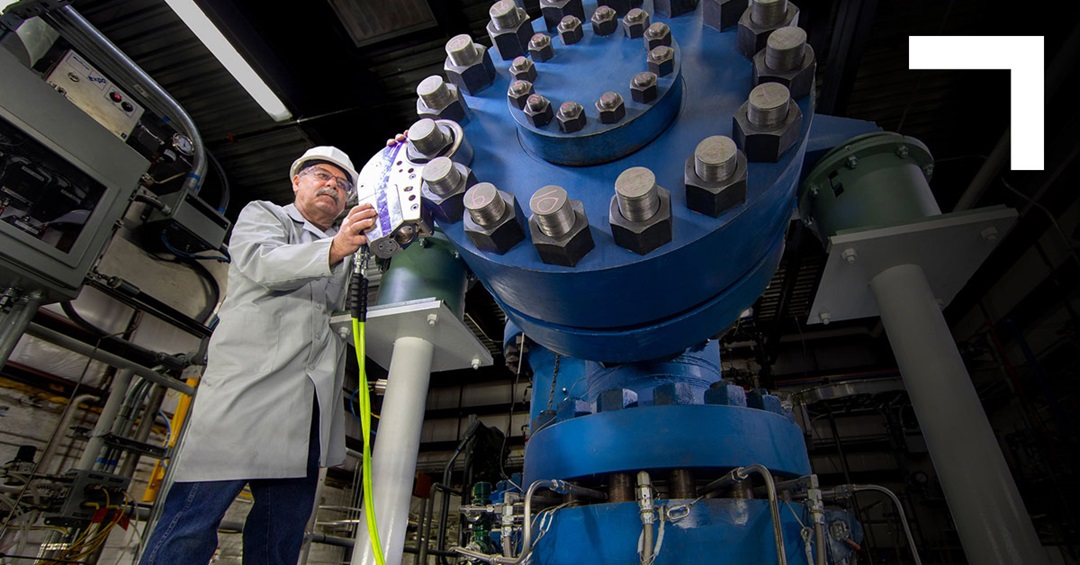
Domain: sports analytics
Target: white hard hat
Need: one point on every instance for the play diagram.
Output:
(326, 153)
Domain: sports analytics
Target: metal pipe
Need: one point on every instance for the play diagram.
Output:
(13, 322)
(819, 540)
(87, 39)
(117, 395)
(850, 490)
(394, 460)
(54, 442)
(743, 473)
(57, 338)
(647, 512)
(990, 517)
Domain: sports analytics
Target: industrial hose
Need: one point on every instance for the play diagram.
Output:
(358, 289)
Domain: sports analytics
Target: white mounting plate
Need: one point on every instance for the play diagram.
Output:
(455, 345)
(949, 248)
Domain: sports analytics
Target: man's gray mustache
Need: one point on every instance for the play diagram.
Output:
(329, 192)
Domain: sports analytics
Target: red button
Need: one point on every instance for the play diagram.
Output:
(115, 97)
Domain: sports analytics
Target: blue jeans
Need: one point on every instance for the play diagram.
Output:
(186, 533)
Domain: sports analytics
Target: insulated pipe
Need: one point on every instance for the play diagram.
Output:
(57, 338)
(393, 463)
(990, 517)
(87, 39)
(54, 442)
(13, 323)
(117, 396)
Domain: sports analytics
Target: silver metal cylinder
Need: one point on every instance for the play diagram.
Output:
(657, 29)
(742, 490)
(637, 195)
(461, 50)
(644, 79)
(434, 92)
(427, 137)
(636, 15)
(484, 204)
(768, 104)
(504, 14)
(715, 158)
(681, 484)
(785, 48)
(520, 87)
(554, 215)
(768, 12)
(441, 175)
(536, 103)
(570, 109)
(620, 487)
(539, 41)
(610, 99)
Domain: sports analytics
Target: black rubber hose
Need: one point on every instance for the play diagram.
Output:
(123, 346)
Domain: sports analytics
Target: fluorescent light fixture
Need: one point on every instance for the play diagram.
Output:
(224, 51)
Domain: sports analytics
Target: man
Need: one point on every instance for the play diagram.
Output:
(268, 412)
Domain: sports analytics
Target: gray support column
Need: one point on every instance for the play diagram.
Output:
(117, 395)
(990, 517)
(13, 323)
(393, 463)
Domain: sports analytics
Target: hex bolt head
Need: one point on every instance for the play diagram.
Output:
(509, 29)
(849, 255)
(438, 100)
(571, 117)
(560, 231)
(825, 318)
(640, 212)
(538, 110)
(722, 14)
(519, 92)
(604, 21)
(635, 22)
(611, 107)
(657, 34)
(427, 138)
(760, 20)
(468, 65)
(492, 218)
(555, 10)
(540, 47)
(570, 30)
(643, 87)
(661, 60)
(523, 69)
(769, 105)
(715, 176)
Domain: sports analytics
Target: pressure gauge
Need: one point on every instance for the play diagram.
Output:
(183, 144)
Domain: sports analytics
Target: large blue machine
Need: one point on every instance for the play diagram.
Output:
(626, 378)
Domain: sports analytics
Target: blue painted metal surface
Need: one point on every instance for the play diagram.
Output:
(716, 531)
(615, 305)
(666, 437)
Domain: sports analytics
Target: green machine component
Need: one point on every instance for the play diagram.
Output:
(874, 180)
(429, 268)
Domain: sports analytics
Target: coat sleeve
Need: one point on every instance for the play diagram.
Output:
(261, 251)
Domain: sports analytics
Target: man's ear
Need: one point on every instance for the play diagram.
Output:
(296, 184)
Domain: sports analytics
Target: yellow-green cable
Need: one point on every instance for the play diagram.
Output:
(365, 423)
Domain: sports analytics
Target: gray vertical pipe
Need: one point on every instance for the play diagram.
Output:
(117, 394)
(990, 517)
(13, 323)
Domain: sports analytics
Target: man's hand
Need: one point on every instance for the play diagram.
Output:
(399, 138)
(351, 236)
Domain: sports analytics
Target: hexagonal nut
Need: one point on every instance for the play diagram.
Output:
(616, 399)
(523, 69)
(447, 208)
(661, 60)
(568, 249)
(643, 87)
(645, 236)
(570, 30)
(723, 393)
(722, 14)
(752, 36)
(555, 10)
(473, 78)
(799, 81)
(519, 92)
(538, 111)
(674, 8)
(511, 42)
(604, 21)
(621, 7)
(761, 399)
(455, 109)
(503, 234)
(713, 198)
(571, 408)
(656, 35)
(766, 145)
(571, 117)
(611, 107)
(635, 22)
(669, 394)
(540, 47)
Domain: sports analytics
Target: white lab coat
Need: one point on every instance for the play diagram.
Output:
(272, 350)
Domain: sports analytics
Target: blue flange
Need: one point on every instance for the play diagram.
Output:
(666, 437)
(615, 305)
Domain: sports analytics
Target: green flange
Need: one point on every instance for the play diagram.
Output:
(874, 180)
(430, 267)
